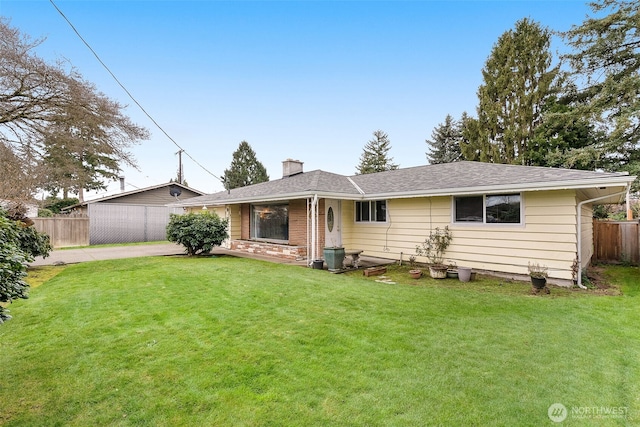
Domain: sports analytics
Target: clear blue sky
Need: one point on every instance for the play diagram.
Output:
(309, 80)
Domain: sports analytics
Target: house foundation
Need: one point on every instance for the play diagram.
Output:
(270, 249)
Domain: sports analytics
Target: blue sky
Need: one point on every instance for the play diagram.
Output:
(308, 80)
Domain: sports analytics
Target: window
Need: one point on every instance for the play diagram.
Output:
(371, 211)
(488, 209)
(270, 222)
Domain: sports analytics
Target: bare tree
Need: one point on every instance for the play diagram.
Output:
(55, 126)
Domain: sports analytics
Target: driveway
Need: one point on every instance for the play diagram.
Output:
(72, 256)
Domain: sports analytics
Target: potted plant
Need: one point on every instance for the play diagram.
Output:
(452, 270)
(414, 272)
(334, 257)
(434, 248)
(538, 274)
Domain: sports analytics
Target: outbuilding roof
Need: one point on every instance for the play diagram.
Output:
(135, 192)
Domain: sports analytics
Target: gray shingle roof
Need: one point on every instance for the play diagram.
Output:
(448, 178)
(458, 176)
(296, 186)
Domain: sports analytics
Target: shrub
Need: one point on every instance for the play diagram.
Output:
(19, 244)
(435, 245)
(45, 213)
(197, 232)
(55, 204)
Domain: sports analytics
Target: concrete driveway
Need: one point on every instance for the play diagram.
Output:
(72, 256)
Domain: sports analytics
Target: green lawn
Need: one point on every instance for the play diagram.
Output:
(226, 341)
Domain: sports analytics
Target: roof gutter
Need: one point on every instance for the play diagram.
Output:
(579, 212)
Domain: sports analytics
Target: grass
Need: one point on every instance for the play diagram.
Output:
(173, 341)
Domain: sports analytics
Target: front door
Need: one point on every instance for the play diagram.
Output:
(333, 225)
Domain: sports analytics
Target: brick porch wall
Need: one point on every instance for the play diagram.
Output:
(297, 247)
(270, 249)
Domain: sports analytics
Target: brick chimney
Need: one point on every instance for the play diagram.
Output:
(291, 167)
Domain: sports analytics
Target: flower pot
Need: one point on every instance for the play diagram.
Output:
(438, 271)
(415, 274)
(538, 282)
(464, 274)
(318, 264)
(334, 257)
(452, 274)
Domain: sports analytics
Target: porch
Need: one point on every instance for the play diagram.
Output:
(287, 254)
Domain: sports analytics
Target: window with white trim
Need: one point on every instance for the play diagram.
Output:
(488, 209)
(270, 222)
(371, 211)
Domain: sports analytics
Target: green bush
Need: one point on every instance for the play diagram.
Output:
(45, 213)
(55, 204)
(197, 232)
(19, 244)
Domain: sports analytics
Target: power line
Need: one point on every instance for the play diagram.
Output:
(130, 95)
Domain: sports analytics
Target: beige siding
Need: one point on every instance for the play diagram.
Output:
(548, 235)
(235, 216)
(407, 222)
(586, 231)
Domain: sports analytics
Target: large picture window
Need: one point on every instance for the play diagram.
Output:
(489, 209)
(371, 211)
(270, 222)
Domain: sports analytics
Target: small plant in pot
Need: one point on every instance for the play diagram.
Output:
(452, 270)
(414, 272)
(538, 274)
(434, 248)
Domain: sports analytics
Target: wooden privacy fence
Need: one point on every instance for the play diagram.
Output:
(615, 241)
(64, 230)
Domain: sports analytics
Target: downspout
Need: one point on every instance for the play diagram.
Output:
(227, 213)
(309, 259)
(314, 233)
(579, 251)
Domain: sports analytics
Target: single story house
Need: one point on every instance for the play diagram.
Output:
(502, 216)
(139, 215)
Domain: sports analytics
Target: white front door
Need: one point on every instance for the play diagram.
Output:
(332, 223)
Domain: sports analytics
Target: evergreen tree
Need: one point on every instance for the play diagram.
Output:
(565, 139)
(606, 59)
(518, 78)
(245, 168)
(472, 147)
(445, 144)
(375, 157)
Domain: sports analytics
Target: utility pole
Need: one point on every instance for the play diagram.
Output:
(180, 177)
